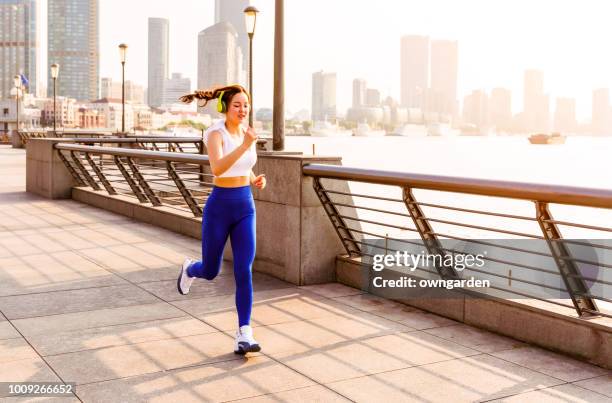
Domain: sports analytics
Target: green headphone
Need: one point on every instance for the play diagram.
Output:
(221, 107)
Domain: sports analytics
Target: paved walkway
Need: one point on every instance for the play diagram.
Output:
(90, 297)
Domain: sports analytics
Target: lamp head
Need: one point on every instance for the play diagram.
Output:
(250, 14)
(54, 70)
(122, 52)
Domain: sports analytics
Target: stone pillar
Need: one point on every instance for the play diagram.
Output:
(296, 241)
(16, 140)
(46, 174)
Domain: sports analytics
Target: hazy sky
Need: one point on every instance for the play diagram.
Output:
(498, 39)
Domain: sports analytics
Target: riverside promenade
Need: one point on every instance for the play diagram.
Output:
(88, 296)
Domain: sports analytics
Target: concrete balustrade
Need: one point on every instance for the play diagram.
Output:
(295, 239)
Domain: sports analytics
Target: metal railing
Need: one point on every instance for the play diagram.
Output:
(376, 208)
(172, 179)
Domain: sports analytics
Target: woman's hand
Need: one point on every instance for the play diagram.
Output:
(249, 137)
(259, 181)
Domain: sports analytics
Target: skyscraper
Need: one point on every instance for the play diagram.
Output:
(475, 109)
(500, 109)
(73, 43)
(158, 59)
(323, 96)
(565, 115)
(536, 114)
(174, 88)
(359, 92)
(414, 70)
(444, 66)
(602, 115)
(218, 58)
(19, 44)
(232, 11)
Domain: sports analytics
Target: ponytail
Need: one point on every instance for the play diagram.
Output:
(214, 93)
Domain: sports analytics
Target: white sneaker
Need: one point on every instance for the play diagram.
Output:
(245, 343)
(184, 281)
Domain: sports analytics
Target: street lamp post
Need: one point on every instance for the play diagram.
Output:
(250, 14)
(17, 82)
(278, 122)
(54, 73)
(122, 52)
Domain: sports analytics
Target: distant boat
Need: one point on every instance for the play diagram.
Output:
(541, 138)
(364, 130)
(441, 130)
(326, 129)
(410, 130)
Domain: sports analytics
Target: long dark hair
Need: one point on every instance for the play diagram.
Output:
(213, 93)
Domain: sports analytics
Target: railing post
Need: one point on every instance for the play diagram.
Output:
(351, 246)
(90, 180)
(570, 273)
(143, 183)
(431, 241)
(109, 188)
(71, 169)
(186, 193)
(133, 185)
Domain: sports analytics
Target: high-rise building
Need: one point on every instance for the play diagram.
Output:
(414, 70)
(536, 114)
(174, 88)
(232, 11)
(372, 97)
(323, 96)
(359, 92)
(476, 109)
(565, 115)
(218, 58)
(500, 109)
(444, 70)
(20, 44)
(158, 60)
(73, 43)
(134, 93)
(602, 115)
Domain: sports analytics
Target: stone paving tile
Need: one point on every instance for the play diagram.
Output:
(269, 307)
(413, 317)
(56, 302)
(64, 322)
(325, 332)
(567, 393)
(369, 302)
(223, 381)
(137, 359)
(477, 339)
(221, 285)
(51, 272)
(132, 333)
(553, 364)
(27, 370)
(470, 379)
(15, 350)
(7, 331)
(309, 394)
(369, 356)
(332, 290)
(600, 384)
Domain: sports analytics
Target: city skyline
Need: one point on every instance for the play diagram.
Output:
(495, 59)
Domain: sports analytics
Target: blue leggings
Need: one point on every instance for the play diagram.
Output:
(229, 212)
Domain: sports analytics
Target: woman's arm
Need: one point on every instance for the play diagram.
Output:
(220, 163)
(252, 177)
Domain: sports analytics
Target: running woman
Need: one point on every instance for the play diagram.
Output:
(230, 209)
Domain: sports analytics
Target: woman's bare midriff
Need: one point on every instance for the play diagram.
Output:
(231, 181)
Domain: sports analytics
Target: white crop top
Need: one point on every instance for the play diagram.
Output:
(244, 164)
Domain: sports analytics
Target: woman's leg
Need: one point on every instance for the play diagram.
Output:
(216, 224)
(242, 236)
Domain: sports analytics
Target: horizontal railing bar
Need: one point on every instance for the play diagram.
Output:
(440, 206)
(570, 224)
(595, 280)
(362, 195)
(123, 152)
(377, 223)
(518, 280)
(586, 294)
(382, 237)
(372, 209)
(515, 190)
(501, 231)
(492, 244)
